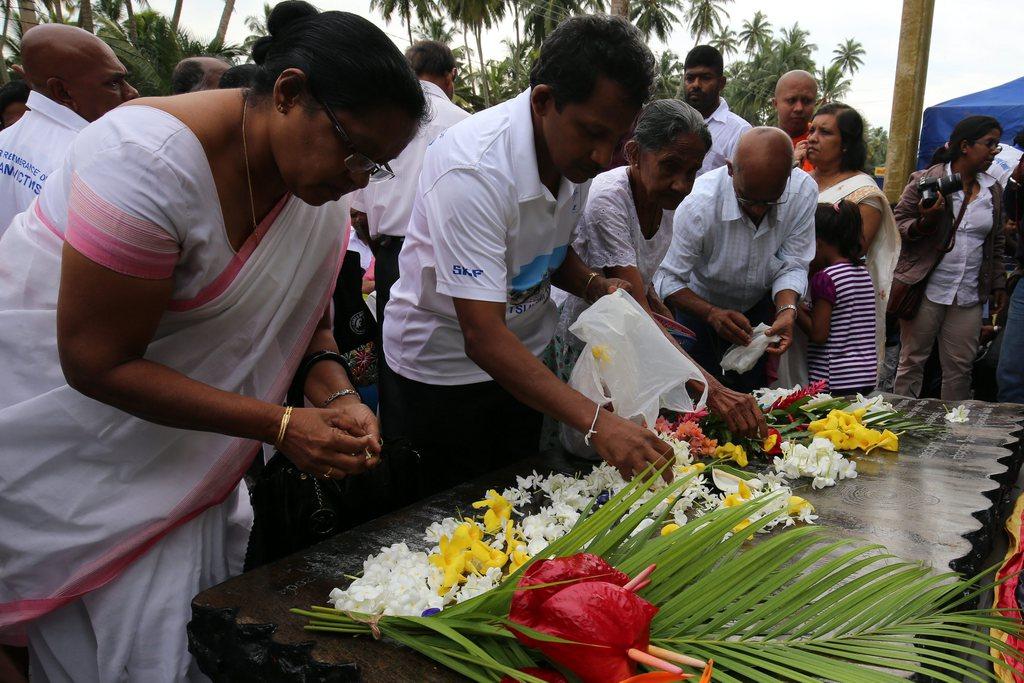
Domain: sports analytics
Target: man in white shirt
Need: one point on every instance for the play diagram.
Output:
(194, 74)
(743, 241)
(704, 78)
(1007, 159)
(75, 78)
(498, 197)
(388, 205)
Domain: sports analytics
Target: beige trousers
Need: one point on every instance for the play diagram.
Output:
(957, 329)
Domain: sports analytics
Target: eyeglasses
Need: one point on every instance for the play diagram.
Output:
(991, 144)
(758, 202)
(357, 162)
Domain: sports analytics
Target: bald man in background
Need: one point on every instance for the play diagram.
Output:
(741, 245)
(74, 79)
(796, 94)
(193, 74)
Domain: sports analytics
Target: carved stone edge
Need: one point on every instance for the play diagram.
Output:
(235, 651)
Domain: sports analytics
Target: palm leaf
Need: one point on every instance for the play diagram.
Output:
(797, 606)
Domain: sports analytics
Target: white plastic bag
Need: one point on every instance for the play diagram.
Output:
(742, 358)
(629, 362)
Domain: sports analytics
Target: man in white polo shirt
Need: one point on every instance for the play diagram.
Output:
(498, 198)
(704, 79)
(388, 205)
(75, 79)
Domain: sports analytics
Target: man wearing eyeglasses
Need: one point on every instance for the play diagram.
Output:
(742, 242)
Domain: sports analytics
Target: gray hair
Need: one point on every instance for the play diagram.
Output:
(662, 121)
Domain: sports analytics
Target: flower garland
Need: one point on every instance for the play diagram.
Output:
(466, 557)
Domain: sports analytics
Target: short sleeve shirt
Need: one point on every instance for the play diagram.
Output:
(485, 228)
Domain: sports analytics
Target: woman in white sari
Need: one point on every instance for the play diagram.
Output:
(837, 149)
(155, 302)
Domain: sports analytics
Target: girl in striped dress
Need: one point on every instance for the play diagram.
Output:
(840, 320)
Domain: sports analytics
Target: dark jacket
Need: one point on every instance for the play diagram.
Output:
(922, 247)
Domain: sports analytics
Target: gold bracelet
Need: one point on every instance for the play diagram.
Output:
(590, 279)
(285, 419)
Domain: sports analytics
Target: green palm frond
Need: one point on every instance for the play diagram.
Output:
(796, 606)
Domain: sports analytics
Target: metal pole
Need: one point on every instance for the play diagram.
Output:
(908, 94)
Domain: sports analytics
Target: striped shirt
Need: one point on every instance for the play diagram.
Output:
(847, 359)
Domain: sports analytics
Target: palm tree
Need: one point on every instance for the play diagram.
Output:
(27, 14)
(405, 10)
(225, 17)
(655, 17)
(257, 26)
(4, 76)
(705, 17)
(832, 85)
(619, 8)
(542, 16)
(755, 32)
(478, 15)
(670, 74)
(726, 42)
(795, 38)
(849, 55)
(437, 29)
(176, 15)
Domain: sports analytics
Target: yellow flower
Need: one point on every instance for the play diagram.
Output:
(741, 526)
(798, 505)
(770, 442)
(863, 438)
(482, 557)
(601, 353)
(731, 451)
(452, 561)
(888, 442)
(732, 500)
(516, 559)
(498, 510)
(690, 469)
(669, 528)
(744, 490)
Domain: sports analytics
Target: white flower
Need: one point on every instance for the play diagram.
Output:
(958, 415)
(766, 397)
(819, 460)
(875, 404)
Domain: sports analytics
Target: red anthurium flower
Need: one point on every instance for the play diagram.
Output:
(602, 618)
(657, 677)
(560, 571)
(772, 444)
(549, 675)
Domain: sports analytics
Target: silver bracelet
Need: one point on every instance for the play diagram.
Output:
(338, 394)
(787, 307)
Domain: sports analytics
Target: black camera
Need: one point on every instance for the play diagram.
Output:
(930, 188)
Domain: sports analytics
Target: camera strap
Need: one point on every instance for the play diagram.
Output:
(951, 239)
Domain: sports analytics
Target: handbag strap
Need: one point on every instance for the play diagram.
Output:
(951, 239)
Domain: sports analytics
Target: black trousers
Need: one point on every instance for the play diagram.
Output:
(386, 275)
(460, 432)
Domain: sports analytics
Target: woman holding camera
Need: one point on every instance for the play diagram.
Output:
(951, 258)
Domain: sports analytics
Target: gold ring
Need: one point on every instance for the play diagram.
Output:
(330, 470)
(369, 455)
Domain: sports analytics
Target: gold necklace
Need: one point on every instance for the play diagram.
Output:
(248, 177)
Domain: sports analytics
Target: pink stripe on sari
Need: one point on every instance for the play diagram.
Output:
(228, 275)
(221, 480)
(37, 209)
(115, 239)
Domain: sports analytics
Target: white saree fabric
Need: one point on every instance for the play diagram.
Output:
(86, 489)
(881, 264)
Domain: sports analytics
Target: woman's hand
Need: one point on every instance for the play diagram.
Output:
(799, 154)
(333, 443)
(628, 447)
(657, 305)
(601, 285)
(998, 302)
(930, 215)
(741, 413)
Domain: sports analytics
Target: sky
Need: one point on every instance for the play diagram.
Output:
(965, 49)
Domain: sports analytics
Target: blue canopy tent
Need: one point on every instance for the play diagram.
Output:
(1005, 102)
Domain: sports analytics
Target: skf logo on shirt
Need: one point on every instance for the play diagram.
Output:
(468, 272)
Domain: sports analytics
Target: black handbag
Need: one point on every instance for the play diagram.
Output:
(294, 510)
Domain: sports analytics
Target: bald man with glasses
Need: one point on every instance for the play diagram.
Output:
(742, 242)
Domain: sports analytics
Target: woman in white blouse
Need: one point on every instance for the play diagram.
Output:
(954, 246)
(626, 229)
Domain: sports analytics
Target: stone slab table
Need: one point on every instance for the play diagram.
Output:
(939, 500)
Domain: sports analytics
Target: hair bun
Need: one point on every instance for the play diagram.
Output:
(281, 17)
